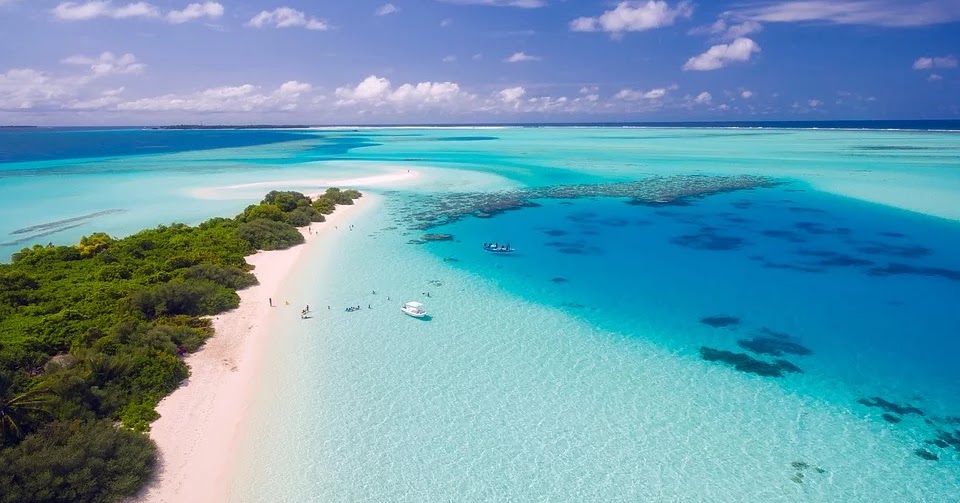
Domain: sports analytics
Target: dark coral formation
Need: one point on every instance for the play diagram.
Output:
(720, 321)
(555, 232)
(830, 258)
(789, 236)
(788, 367)
(447, 208)
(888, 406)
(799, 209)
(773, 333)
(898, 269)
(437, 237)
(890, 250)
(559, 280)
(925, 454)
(819, 229)
(801, 467)
(789, 267)
(708, 239)
(890, 418)
(946, 438)
(746, 363)
(773, 346)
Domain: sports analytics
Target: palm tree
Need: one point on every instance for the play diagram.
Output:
(14, 410)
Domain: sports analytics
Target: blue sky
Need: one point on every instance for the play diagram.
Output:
(435, 61)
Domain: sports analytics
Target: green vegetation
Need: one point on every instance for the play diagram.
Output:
(92, 337)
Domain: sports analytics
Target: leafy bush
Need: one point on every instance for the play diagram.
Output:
(77, 462)
(269, 235)
(286, 200)
(230, 277)
(262, 211)
(195, 298)
(303, 216)
(324, 205)
(338, 196)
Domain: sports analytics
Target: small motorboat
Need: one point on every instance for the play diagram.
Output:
(497, 248)
(414, 309)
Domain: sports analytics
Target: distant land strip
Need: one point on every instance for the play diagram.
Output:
(63, 223)
(42, 234)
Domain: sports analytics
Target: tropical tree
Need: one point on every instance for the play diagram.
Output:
(15, 410)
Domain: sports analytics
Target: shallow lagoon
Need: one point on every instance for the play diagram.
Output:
(572, 369)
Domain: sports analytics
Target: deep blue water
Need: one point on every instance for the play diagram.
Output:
(24, 145)
(872, 291)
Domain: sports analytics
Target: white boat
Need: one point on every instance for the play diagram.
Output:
(414, 309)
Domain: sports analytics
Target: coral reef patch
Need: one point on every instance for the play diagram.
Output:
(720, 321)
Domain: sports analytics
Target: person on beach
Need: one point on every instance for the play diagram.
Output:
(270, 300)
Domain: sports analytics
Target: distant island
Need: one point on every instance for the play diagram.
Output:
(223, 126)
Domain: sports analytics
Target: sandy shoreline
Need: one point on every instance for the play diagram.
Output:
(199, 424)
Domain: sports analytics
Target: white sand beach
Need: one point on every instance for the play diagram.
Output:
(199, 423)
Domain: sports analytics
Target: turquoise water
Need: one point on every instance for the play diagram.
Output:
(571, 369)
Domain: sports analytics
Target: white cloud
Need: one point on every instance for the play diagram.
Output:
(108, 63)
(703, 98)
(477, 57)
(285, 17)
(378, 91)
(929, 63)
(814, 103)
(25, 88)
(634, 16)
(106, 99)
(446, 22)
(450, 59)
(242, 98)
(746, 94)
(193, 11)
(725, 31)
(526, 4)
(75, 11)
(29, 89)
(861, 12)
(721, 55)
(512, 94)
(386, 9)
(635, 95)
(519, 57)
(934, 77)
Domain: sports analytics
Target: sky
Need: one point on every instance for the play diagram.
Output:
(132, 62)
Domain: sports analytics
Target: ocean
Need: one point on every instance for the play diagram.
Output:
(794, 341)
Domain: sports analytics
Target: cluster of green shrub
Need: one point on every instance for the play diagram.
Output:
(92, 337)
